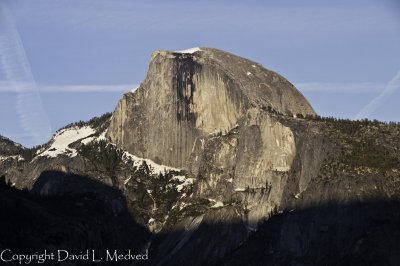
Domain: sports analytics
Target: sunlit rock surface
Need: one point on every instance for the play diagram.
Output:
(189, 97)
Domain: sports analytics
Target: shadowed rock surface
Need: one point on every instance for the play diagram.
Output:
(67, 212)
(362, 233)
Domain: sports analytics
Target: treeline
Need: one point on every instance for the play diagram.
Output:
(348, 126)
(364, 121)
(368, 153)
(29, 153)
(99, 123)
(103, 156)
(10, 148)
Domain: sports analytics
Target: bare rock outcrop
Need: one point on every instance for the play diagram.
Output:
(188, 97)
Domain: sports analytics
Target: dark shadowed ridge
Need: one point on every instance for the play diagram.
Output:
(70, 212)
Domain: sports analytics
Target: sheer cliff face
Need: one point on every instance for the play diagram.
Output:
(187, 98)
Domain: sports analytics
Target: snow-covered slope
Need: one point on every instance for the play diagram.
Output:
(189, 51)
(61, 141)
(154, 167)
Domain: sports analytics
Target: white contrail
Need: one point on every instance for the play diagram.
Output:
(16, 69)
(6, 86)
(391, 87)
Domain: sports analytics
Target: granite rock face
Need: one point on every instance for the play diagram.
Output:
(189, 103)
(187, 98)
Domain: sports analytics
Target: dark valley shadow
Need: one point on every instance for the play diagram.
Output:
(362, 233)
(359, 233)
(67, 212)
(77, 213)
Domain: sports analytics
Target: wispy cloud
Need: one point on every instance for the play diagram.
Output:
(392, 86)
(323, 87)
(88, 88)
(16, 69)
(6, 86)
(331, 87)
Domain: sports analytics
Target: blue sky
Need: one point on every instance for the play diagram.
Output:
(67, 60)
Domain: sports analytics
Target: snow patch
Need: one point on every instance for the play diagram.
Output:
(14, 157)
(240, 189)
(102, 136)
(202, 143)
(218, 204)
(180, 178)
(87, 140)
(187, 182)
(189, 51)
(248, 73)
(127, 180)
(65, 137)
(134, 89)
(182, 205)
(154, 167)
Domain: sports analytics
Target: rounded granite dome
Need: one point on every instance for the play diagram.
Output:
(263, 87)
(188, 96)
